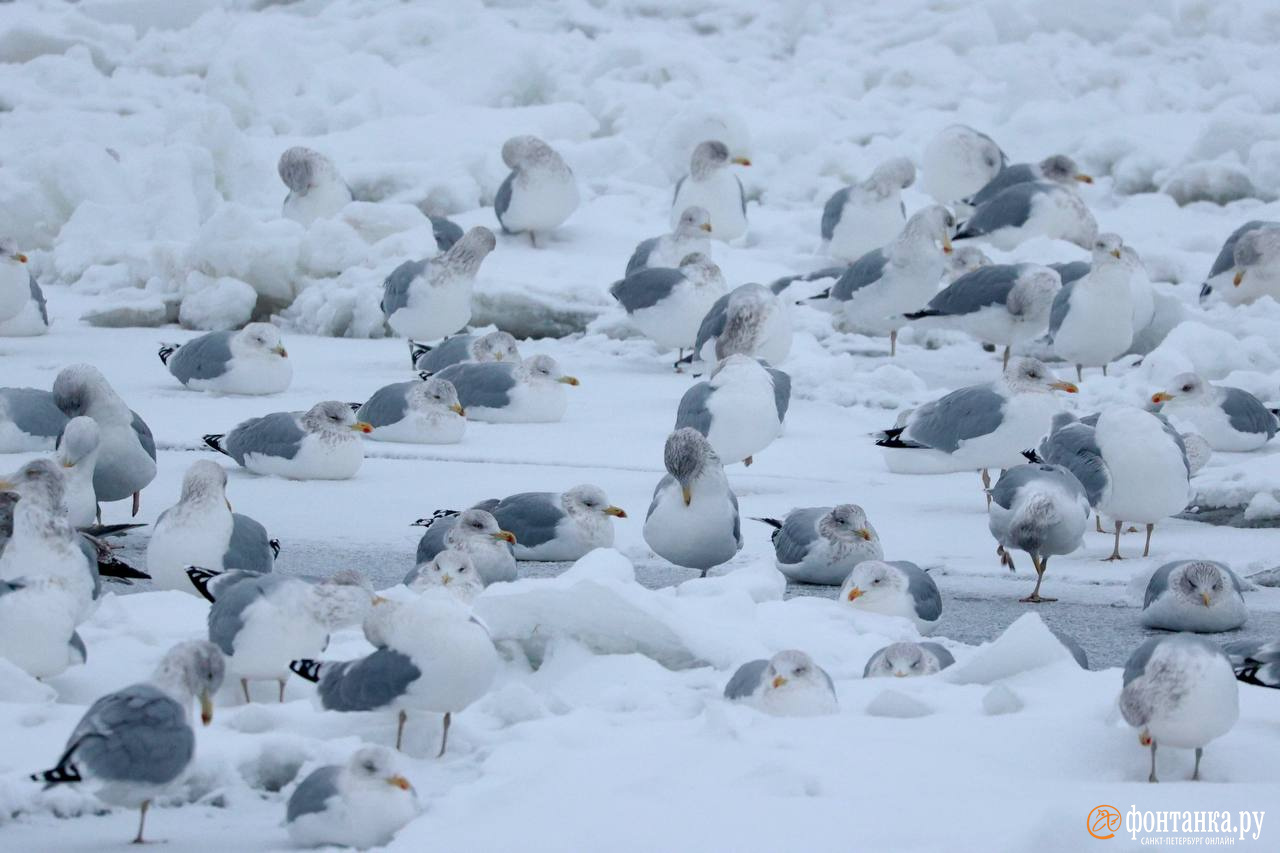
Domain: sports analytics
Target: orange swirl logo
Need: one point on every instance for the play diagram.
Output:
(1104, 819)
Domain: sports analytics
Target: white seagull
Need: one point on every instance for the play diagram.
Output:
(431, 298)
(789, 684)
(667, 304)
(687, 237)
(361, 804)
(908, 660)
(712, 186)
(693, 520)
(749, 320)
(251, 361)
(895, 588)
(822, 544)
(1230, 419)
(531, 391)
(1091, 322)
(958, 162)
(316, 190)
(423, 411)
(322, 443)
(1201, 596)
(1040, 509)
(539, 194)
(867, 215)
(740, 408)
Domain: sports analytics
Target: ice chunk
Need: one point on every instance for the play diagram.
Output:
(891, 703)
(1001, 700)
(1216, 182)
(216, 304)
(1025, 645)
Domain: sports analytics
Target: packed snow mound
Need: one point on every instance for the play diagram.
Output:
(1025, 645)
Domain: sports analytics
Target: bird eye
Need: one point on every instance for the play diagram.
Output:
(915, 664)
(801, 670)
(370, 767)
(877, 580)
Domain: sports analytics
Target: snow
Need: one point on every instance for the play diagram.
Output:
(138, 167)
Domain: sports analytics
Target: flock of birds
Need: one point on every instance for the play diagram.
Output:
(432, 656)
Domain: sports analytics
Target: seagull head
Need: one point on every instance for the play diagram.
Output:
(333, 417)
(450, 571)
(79, 442)
(1201, 583)
(9, 253)
(792, 670)
(901, 660)
(259, 339)
(873, 585)
(434, 396)
(694, 222)
(495, 346)
(590, 500)
(1107, 248)
(1185, 386)
(1029, 375)
(372, 767)
(847, 523)
(544, 368)
(1063, 170)
(686, 455)
(192, 670)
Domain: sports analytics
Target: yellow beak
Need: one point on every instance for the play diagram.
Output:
(855, 593)
(1115, 253)
(1204, 596)
(399, 782)
(947, 248)
(706, 226)
(899, 674)
(741, 161)
(457, 407)
(68, 464)
(206, 708)
(1144, 737)
(361, 426)
(6, 485)
(1239, 277)
(864, 533)
(497, 356)
(446, 579)
(1069, 387)
(1161, 397)
(1084, 179)
(778, 681)
(688, 495)
(615, 511)
(20, 258)
(505, 536)
(569, 380)
(377, 599)
(280, 351)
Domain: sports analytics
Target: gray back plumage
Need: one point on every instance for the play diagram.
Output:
(961, 415)
(1018, 173)
(792, 541)
(865, 271)
(452, 350)
(781, 390)
(833, 210)
(1009, 208)
(945, 658)
(640, 257)
(145, 438)
(205, 357)
(975, 290)
(746, 680)
(693, 411)
(446, 231)
(276, 434)
(714, 322)
(432, 542)
(395, 289)
(1061, 306)
(1246, 412)
(387, 405)
(249, 547)
(33, 411)
(1073, 271)
(226, 614)
(922, 589)
(37, 296)
(1227, 255)
(645, 288)
(502, 200)
(138, 734)
(1075, 447)
(313, 793)
(486, 384)
(90, 551)
(531, 516)
(372, 682)
(1005, 491)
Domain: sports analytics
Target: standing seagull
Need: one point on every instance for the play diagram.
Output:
(712, 186)
(476, 533)
(689, 236)
(1179, 691)
(667, 305)
(30, 420)
(539, 194)
(693, 520)
(424, 411)
(894, 588)
(557, 526)
(1091, 323)
(126, 450)
(322, 443)
(1230, 419)
(201, 530)
(884, 284)
(78, 456)
(1059, 169)
(748, 320)
(822, 544)
(316, 190)
(1035, 209)
(865, 216)
(1246, 267)
(456, 349)
(250, 361)
(361, 804)
(431, 298)
(1040, 509)
(740, 408)
(136, 743)
(958, 162)
(531, 391)
(789, 684)
(15, 281)
(1201, 596)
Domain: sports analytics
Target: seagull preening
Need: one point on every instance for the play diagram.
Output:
(713, 186)
(250, 361)
(539, 194)
(789, 684)
(740, 408)
(316, 190)
(867, 215)
(958, 162)
(431, 298)
(30, 420)
(1040, 509)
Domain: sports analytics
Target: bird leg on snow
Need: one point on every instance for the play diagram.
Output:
(747, 461)
(281, 681)
(1115, 553)
(142, 821)
(400, 729)
(244, 685)
(1006, 559)
(986, 485)
(1080, 373)
(1040, 564)
(893, 343)
(1195, 774)
(1152, 777)
(137, 503)
(1006, 357)
(1146, 550)
(444, 738)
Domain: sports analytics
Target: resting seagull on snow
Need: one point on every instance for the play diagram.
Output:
(539, 194)
(693, 520)
(322, 443)
(361, 804)
(789, 684)
(30, 420)
(431, 298)
(689, 236)
(748, 320)
(453, 572)
(1059, 169)
(1036, 209)
(1230, 419)
(740, 408)
(713, 187)
(958, 162)
(316, 190)
(908, 660)
(1040, 509)
(1201, 596)
(822, 544)
(865, 216)
(894, 588)
(456, 349)
(1246, 267)
(250, 361)
(422, 411)
(668, 305)
(531, 391)
(557, 526)
(476, 533)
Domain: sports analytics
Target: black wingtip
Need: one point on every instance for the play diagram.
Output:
(274, 544)
(307, 669)
(424, 375)
(963, 232)
(166, 351)
(826, 294)
(63, 774)
(772, 522)
(435, 516)
(107, 530)
(200, 579)
(355, 407)
(214, 441)
(920, 315)
(417, 351)
(893, 438)
(1031, 456)
(113, 568)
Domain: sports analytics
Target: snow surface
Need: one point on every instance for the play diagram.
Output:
(138, 143)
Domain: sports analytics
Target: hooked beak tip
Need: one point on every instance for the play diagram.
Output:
(778, 681)
(706, 226)
(505, 536)
(457, 409)
(1239, 277)
(742, 161)
(569, 380)
(400, 782)
(361, 426)
(20, 258)
(1084, 179)
(854, 593)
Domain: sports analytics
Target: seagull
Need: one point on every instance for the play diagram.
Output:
(1230, 419)
(668, 305)
(78, 456)
(126, 449)
(262, 622)
(438, 659)
(1201, 596)
(999, 304)
(958, 162)
(1041, 509)
(895, 588)
(32, 320)
(476, 533)
(558, 527)
(322, 443)
(878, 288)
(539, 194)
(789, 684)
(977, 427)
(822, 544)
(15, 281)
(530, 391)
(1255, 662)
(1246, 268)
(361, 804)
(456, 349)
(712, 186)
(316, 190)
(38, 623)
(201, 530)
(1035, 209)
(962, 261)
(693, 520)
(1059, 169)
(748, 320)
(865, 216)
(137, 742)
(1091, 322)
(908, 660)
(251, 361)
(422, 411)
(740, 408)
(1179, 691)
(431, 298)
(452, 571)
(688, 237)
(30, 420)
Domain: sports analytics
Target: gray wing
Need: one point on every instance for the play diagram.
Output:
(1247, 413)
(205, 357)
(1176, 438)
(1008, 209)
(665, 483)
(226, 614)
(959, 416)
(924, 592)
(387, 405)
(781, 390)
(713, 324)
(1137, 663)
(865, 271)
(975, 290)
(645, 288)
(833, 210)
(746, 680)
(945, 658)
(37, 296)
(1158, 585)
(531, 516)
(871, 661)
(799, 531)
(1069, 642)
(145, 438)
(315, 791)
(432, 542)
(250, 546)
(737, 520)
(1005, 491)
(693, 411)
(640, 257)
(395, 290)
(446, 231)
(33, 411)
(675, 195)
(1019, 173)
(1073, 271)
(1061, 305)
(502, 200)
(1227, 255)
(742, 196)
(454, 350)
(90, 551)
(276, 434)
(487, 384)
(138, 734)
(366, 684)
(1075, 447)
